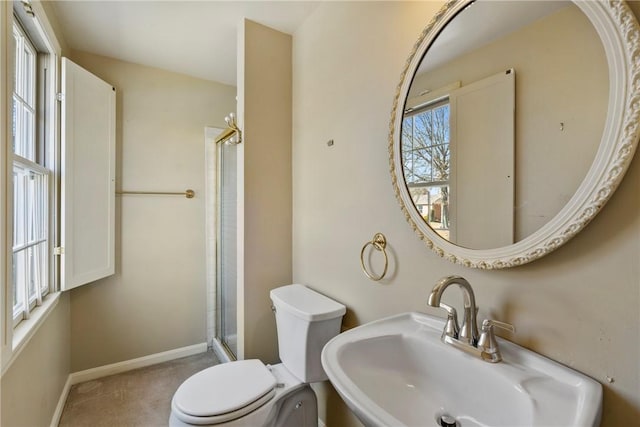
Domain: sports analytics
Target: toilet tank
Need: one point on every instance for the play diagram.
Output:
(305, 321)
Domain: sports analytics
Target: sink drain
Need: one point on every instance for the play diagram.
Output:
(447, 421)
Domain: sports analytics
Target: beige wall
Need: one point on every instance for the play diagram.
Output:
(32, 385)
(578, 305)
(543, 101)
(264, 184)
(156, 300)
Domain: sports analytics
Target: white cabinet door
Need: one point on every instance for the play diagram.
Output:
(88, 177)
(482, 162)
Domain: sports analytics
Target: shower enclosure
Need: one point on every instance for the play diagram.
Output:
(226, 330)
(221, 214)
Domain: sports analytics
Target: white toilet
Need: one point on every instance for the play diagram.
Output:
(250, 393)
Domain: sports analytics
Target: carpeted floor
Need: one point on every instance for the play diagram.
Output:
(136, 398)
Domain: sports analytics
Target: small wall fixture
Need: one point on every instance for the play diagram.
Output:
(379, 243)
(232, 134)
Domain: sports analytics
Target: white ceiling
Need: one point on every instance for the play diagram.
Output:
(197, 38)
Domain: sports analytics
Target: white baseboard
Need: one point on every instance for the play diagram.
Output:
(117, 368)
(61, 401)
(141, 362)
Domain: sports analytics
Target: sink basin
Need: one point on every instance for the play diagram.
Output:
(397, 372)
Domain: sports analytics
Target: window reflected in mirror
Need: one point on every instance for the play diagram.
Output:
(426, 157)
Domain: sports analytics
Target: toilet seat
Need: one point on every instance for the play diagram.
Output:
(224, 392)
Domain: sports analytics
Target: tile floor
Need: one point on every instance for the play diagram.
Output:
(139, 398)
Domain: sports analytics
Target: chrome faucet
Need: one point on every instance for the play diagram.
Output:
(465, 337)
(469, 329)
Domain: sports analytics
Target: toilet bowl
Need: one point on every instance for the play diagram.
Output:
(250, 393)
(287, 402)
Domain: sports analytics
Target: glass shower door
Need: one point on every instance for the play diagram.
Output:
(226, 283)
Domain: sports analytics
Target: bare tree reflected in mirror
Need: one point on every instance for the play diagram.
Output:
(426, 157)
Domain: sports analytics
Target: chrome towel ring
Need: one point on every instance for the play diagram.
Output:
(379, 243)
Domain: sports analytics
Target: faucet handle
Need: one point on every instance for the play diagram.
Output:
(451, 328)
(488, 323)
(487, 341)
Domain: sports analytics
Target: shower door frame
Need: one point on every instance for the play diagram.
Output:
(212, 210)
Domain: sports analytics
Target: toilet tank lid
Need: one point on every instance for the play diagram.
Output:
(306, 303)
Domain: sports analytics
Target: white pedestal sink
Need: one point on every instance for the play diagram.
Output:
(397, 372)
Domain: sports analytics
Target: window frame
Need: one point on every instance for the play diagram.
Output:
(25, 95)
(431, 184)
(33, 243)
(32, 20)
(30, 164)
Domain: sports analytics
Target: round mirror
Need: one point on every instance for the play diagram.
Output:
(513, 124)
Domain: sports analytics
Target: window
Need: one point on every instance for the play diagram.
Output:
(45, 189)
(32, 248)
(426, 159)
